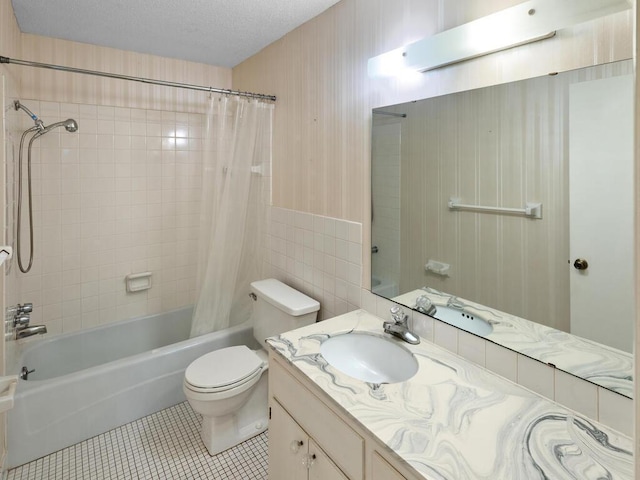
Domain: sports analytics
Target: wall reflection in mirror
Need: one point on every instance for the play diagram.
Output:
(508, 211)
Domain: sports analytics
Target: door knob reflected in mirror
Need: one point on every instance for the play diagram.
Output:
(581, 264)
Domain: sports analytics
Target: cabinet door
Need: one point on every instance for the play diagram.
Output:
(382, 470)
(322, 468)
(287, 446)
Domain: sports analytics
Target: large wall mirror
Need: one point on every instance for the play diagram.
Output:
(508, 211)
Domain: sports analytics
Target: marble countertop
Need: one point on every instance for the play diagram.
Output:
(600, 364)
(456, 421)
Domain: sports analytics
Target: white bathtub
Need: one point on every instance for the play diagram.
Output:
(385, 287)
(89, 382)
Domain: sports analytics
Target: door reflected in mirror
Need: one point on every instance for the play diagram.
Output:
(514, 203)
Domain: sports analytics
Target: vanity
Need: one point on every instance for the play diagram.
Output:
(451, 420)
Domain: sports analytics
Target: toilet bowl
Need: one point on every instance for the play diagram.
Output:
(222, 395)
(228, 387)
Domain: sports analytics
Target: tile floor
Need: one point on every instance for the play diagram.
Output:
(165, 445)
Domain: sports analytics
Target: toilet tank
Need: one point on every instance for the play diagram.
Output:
(279, 308)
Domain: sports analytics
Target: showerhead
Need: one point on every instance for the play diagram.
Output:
(69, 124)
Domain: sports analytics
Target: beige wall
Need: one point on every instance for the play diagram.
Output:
(63, 87)
(319, 74)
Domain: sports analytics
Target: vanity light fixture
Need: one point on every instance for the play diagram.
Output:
(521, 24)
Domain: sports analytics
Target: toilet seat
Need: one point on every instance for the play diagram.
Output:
(223, 370)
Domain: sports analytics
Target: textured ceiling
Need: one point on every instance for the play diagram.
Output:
(216, 32)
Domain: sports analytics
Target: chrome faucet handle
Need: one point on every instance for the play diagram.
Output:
(453, 302)
(425, 305)
(26, 307)
(398, 315)
(21, 320)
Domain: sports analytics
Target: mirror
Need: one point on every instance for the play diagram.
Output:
(508, 211)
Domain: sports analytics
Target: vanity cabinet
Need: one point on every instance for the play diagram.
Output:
(382, 470)
(304, 423)
(293, 455)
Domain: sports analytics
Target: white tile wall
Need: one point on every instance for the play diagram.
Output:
(536, 376)
(320, 256)
(119, 196)
(472, 348)
(445, 336)
(616, 411)
(576, 394)
(502, 361)
(423, 325)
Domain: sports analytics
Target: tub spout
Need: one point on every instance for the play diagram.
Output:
(31, 330)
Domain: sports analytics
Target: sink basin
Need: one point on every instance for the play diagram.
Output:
(464, 320)
(369, 358)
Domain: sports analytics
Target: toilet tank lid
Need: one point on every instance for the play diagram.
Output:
(284, 297)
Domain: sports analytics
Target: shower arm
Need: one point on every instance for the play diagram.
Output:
(39, 123)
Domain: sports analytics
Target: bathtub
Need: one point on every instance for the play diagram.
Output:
(88, 382)
(385, 287)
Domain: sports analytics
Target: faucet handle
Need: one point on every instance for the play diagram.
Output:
(397, 314)
(26, 307)
(21, 320)
(425, 305)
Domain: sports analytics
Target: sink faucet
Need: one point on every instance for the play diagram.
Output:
(453, 302)
(424, 305)
(28, 331)
(399, 326)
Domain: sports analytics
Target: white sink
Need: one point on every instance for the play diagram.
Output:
(464, 320)
(369, 358)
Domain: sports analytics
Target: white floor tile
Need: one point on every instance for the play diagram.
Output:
(165, 445)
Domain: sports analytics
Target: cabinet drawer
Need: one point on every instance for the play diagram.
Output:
(334, 436)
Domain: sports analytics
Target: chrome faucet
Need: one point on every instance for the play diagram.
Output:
(424, 305)
(399, 327)
(17, 323)
(28, 331)
(453, 302)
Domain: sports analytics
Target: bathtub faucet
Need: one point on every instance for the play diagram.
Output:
(28, 331)
(17, 318)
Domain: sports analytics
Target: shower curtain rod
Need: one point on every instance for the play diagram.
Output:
(137, 79)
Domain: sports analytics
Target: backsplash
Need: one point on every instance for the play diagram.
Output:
(320, 256)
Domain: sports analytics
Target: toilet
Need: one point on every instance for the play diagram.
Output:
(228, 387)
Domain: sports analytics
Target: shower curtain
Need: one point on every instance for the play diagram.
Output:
(238, 137)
